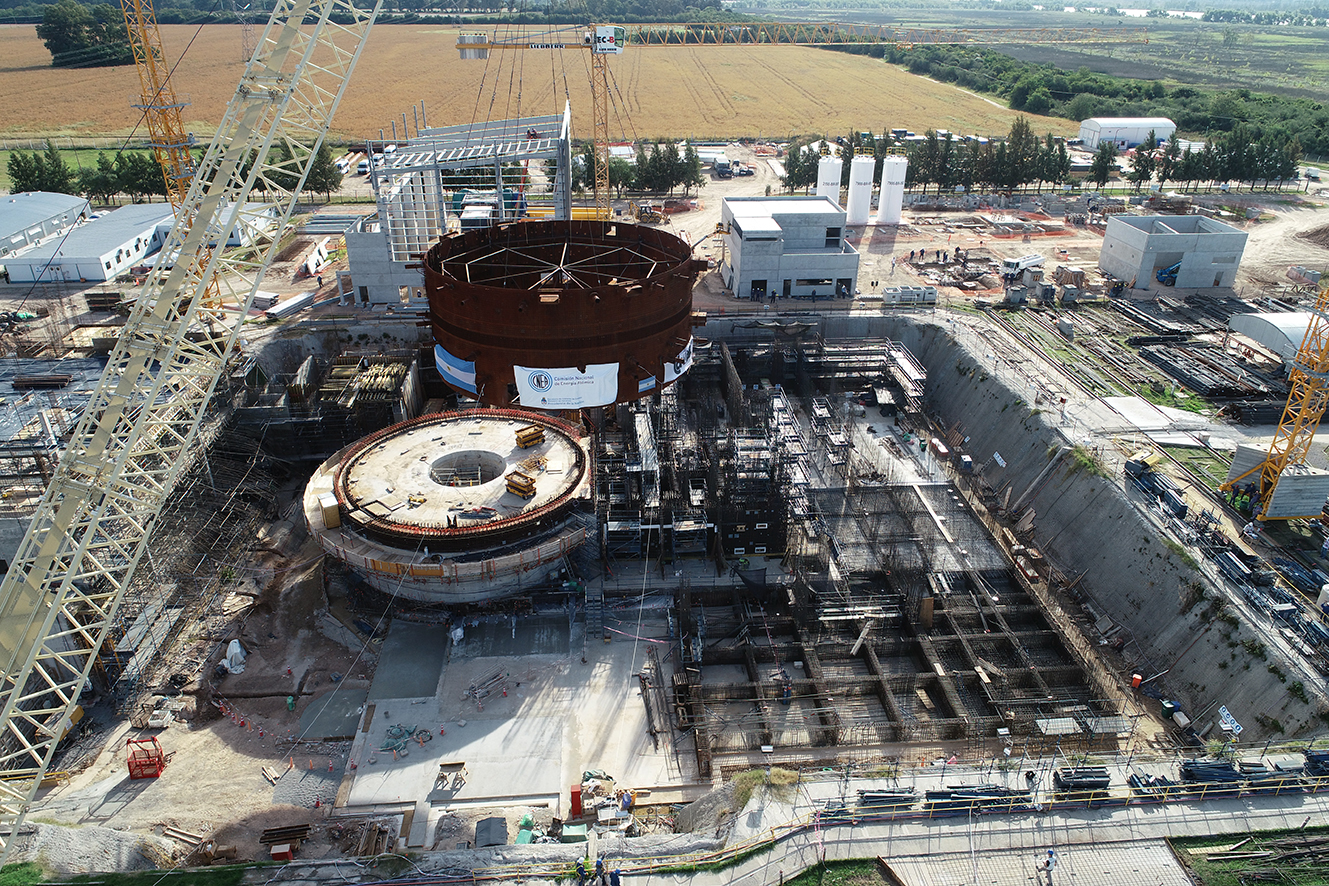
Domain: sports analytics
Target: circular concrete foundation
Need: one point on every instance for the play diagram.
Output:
(452, 508)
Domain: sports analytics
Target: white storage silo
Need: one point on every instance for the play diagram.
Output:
(859, 203)
(828, 178)
(892, 189)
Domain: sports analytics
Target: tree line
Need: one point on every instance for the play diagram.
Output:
(1078, 95)
(657, 169)
(138, 175)
(1241, 155)
(1021, 159)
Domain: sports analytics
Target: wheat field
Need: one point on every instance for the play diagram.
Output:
(700, 92)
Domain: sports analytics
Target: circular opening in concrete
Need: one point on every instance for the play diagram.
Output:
(470, 468)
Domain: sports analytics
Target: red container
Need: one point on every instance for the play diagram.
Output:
(576, 800)
(145, 758)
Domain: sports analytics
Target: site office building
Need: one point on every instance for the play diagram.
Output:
(786, 247)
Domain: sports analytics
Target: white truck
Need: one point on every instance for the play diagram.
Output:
(1013, 267)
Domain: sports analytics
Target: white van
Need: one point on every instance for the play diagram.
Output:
(363, 168)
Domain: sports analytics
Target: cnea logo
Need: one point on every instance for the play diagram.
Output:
(541, 381)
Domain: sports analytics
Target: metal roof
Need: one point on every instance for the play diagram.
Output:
(1280, 332)
(744, 208)
(1130, 121)
(1058, 726)
(102, 235)
(18, 212)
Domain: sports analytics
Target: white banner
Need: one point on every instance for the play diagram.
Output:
(681, 364)
(567, 388)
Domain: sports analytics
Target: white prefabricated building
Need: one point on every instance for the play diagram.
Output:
(786, 247)
(1124, 132)
(1206, 252)
(28, 217)
(101, 249)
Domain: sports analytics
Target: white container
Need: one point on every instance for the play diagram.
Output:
(859, 203)
(891, 201)
(828, 178)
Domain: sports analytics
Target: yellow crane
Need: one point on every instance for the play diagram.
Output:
(61, 594)
(1305, 407)
(605, 40)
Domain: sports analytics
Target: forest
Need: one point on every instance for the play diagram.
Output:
(1078, 95)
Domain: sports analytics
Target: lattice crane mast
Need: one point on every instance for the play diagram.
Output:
(1306, 403)
(59, 599)
(606, 40)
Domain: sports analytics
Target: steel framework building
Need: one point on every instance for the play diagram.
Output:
(450, 178)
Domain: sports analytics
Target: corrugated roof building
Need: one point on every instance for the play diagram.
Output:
(101, 249)
(1125, 132)
(28, 217)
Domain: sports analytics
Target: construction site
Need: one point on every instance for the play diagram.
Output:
(534, 537)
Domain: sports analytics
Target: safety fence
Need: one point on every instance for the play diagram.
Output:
(921, 808)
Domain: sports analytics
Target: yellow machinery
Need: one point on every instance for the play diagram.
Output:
(606, 40)
(645, 213)
(1306, 403)
(137, 435)
(521, 484)
(530, 435)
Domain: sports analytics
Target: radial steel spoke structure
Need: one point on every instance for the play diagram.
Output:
(60, 596)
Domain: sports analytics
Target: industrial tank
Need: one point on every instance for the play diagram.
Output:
(559, 315)
(828, 178)
(891, 200)
(858, 206)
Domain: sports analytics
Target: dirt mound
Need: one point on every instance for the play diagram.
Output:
(91, 848)
(1319, 236)
(707, 813)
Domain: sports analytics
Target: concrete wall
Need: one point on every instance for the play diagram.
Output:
(796, 252)
(1087, 524)
(1208, 258)
(372, 267)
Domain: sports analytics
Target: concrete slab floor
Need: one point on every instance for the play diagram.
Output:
(410, 661)
(560, 717)
(333, 715)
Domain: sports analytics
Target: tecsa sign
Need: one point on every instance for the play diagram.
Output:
(567, 387)
(609, 39)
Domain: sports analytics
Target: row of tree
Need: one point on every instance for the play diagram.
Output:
(1020, 160)
(657, 169)
(1241, 155)
(138, 176)
(1078, 95)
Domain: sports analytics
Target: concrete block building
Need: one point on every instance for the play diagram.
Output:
(29, 217)
(786, 247)
(1125, 132)
(100, 250)
(1206, 253)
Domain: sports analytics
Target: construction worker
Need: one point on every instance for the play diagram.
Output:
(581, 873)
(613, 877)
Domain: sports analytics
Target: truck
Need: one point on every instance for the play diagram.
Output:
(722, 167)
(1012, 267)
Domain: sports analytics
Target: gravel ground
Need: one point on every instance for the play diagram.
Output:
(303, 787)
(91, 848)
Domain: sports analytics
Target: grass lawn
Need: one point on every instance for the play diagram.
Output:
(859, 872)
(1275, 858)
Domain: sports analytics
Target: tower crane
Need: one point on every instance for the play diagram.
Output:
(135, 438)
(1306, 402)
(605, 40)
